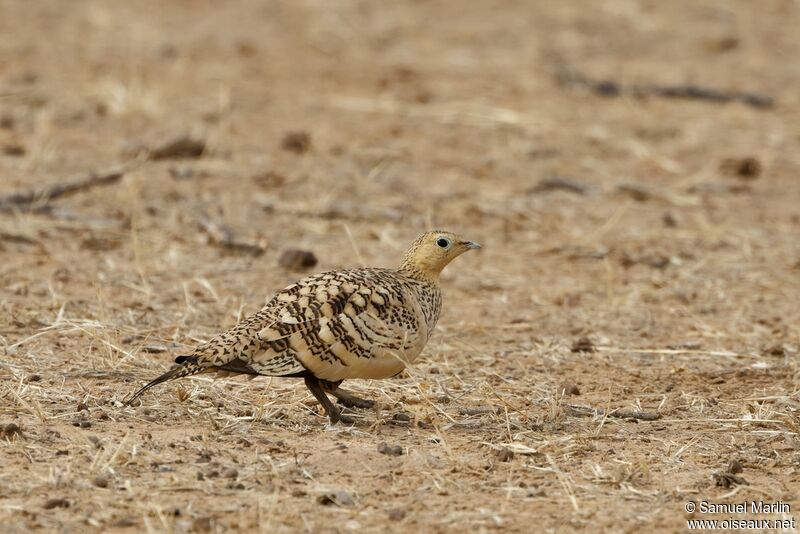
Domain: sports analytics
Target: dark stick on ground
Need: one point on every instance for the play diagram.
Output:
(222, 236)
(24, 199)
(622, 414)
(562, 183)
(610, 88)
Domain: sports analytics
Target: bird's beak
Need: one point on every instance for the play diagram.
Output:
(471, 244)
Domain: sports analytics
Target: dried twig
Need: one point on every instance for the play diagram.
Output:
(611, 88)
(620, 413)
(222, 236)
(24, 199)
(562, 183)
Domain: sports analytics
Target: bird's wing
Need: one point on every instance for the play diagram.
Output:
(344, 324)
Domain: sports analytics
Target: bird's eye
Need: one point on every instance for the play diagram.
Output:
(443, 242)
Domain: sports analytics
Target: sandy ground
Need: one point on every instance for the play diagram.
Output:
(625, 343)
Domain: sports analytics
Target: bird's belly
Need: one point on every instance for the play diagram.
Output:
(375, 368)
(381, 364)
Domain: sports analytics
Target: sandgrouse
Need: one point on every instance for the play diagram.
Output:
(354, 323)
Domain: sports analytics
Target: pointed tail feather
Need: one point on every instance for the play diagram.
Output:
(187, 365)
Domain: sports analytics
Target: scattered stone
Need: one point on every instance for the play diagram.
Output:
(505, 454)
(100, 481)
(230, 473)
(57, 502)
(637, 192)
(10, 432)
(183, 147)
(743, 168)
(298, 142)
(246, 49)
(269, 179)
(338, 498)
(776, 350)
(7, 122)
(297, 260)
(390, 450)
(728, 480)
(735, 467)
(669, 220)
(397, 514)
(100, 244)
(583, 344)
(222, 236)
(725, 43)
(568, 388)
(14, 150)
(82, 423)
(33, 378)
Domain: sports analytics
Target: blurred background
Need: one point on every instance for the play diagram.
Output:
(600, 137)
(630, 167)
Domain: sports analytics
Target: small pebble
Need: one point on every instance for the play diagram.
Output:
(57, 502)
(298, 142)
(297, 260)
(397, 514)
(390, 450)
(505, 454)
(183, 147)
(583, 344)
(230, 473)
(338, 497)
(569, 388)
(10, 431)
(735, 467)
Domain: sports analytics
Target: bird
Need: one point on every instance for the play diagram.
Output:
(367, 323)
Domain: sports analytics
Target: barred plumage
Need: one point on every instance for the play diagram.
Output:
(353, 323)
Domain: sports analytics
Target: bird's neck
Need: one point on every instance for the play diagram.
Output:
(418, 272)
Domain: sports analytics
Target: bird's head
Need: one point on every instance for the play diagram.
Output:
(432, 251)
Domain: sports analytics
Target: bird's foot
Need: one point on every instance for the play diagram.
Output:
(351, 401)
(344, 419)
(356, 402)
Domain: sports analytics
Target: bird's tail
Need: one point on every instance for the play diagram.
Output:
(187, 365)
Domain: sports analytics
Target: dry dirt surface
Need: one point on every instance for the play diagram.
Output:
(625, 343)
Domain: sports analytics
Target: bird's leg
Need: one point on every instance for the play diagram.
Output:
(345, 398)
(314, 385)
